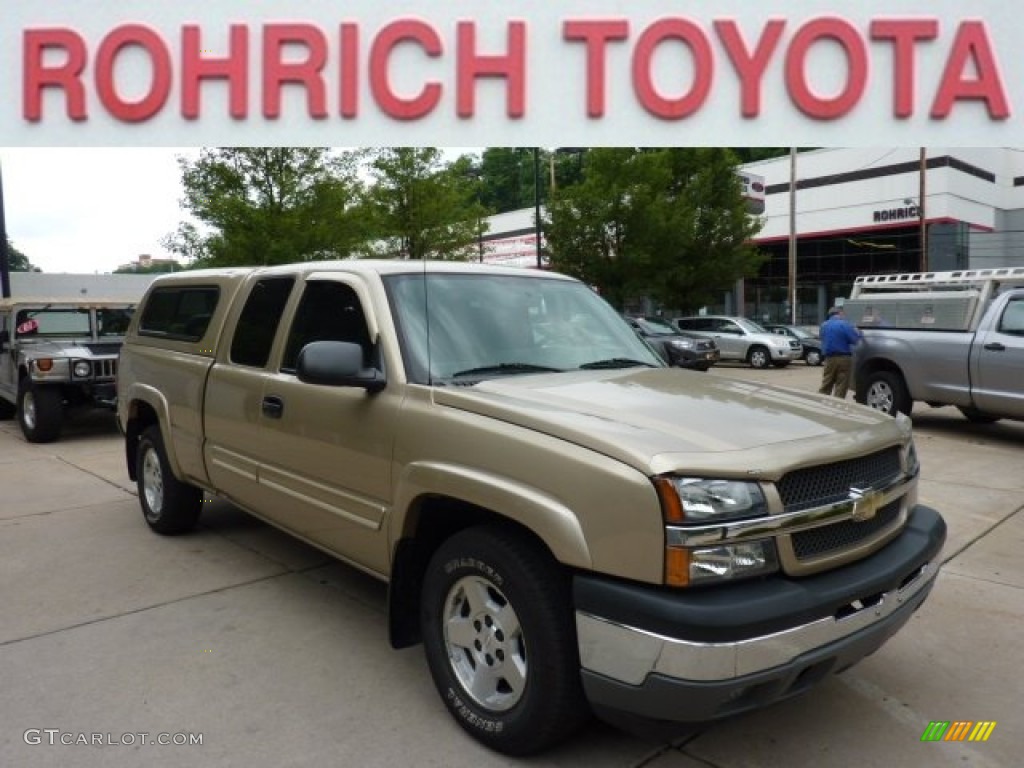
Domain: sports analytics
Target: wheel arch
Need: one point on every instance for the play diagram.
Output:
(869, 368)
(437, 501)
(147, 407)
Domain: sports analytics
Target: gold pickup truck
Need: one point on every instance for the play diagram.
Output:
(565, 523)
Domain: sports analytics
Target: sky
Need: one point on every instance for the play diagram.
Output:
(91, 210)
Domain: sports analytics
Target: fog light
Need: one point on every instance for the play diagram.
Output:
(732, 561)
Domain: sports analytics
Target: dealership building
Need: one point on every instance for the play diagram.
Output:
(853, 212)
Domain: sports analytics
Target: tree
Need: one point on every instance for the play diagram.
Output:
(268, 205)
(18, 261)
(666, 223)
(420, 207)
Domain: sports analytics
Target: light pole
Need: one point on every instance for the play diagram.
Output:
(5, 254)
(536, 202)
(792, 236)
(920, 210)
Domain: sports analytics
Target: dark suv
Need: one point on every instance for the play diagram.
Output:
(677, 348)
(808, 338)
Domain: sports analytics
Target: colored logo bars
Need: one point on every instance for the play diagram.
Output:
(958, 730)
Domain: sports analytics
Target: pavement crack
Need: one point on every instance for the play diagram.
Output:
(982, 534)
(98, 476)
(142, 609)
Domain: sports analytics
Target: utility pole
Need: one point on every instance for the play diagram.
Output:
(536, 201)
(792, 235)
(921, 212)
(5, 254)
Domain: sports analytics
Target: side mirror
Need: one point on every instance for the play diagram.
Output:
(337, 364)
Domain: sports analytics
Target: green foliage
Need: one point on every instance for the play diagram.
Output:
(268, 205)
(420, 207)
(18, 261)
(668, 223)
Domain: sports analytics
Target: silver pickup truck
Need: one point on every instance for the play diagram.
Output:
(943, 338)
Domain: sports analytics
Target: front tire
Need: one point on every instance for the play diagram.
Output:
(500, 640)
(759, 357)
(813, 357)
(168, 505)
(40, 412)
(885, 391)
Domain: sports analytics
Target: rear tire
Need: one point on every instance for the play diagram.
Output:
(885, 391)
(168, 505)
(759, 357)
(500, 640)
(40, 412)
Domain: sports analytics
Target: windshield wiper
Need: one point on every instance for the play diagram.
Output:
(616, 362)
(506, 368)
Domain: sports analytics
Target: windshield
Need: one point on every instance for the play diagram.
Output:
(113, 321)
(484, 325)
(750, 326)
(656, 327)
(52, 322)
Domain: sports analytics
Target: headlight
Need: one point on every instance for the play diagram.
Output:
(82, 369)
(682, 343)
(706, 565)
(701, 500)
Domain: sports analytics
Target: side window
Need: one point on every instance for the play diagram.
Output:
(179, 313)
(1012, 321)
(257, 324)
(328, 311)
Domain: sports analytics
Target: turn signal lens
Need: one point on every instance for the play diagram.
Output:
(677, 567)
(44, 364)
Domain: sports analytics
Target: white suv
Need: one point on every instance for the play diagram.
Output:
(742, 339)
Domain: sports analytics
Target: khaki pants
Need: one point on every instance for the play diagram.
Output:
(835, 378)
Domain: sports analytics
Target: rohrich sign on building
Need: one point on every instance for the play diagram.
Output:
(480, 72)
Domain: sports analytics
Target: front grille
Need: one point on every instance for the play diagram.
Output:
(105, 369)
(839, 536)
(829, 483)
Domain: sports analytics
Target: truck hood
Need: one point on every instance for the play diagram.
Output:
(68, 348)
(671, 420)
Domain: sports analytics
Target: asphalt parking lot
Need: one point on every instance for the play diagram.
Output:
(272, 654)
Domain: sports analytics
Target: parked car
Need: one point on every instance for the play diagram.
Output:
(677, 348)
(742, 339)
(808, 338)
(58, 355)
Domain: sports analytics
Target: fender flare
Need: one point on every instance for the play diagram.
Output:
(547, 517)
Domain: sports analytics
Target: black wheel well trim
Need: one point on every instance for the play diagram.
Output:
(432, 520)
(873, 366)
(142, 416)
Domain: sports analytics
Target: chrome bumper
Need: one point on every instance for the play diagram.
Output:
(629, 655)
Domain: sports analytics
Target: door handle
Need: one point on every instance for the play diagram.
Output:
(273, 407)
(995, 346)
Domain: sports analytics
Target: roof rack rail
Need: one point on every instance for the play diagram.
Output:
(960, 277)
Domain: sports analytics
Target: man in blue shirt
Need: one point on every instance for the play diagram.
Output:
(837, 339)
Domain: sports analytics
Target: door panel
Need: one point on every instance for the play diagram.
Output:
(1000, 363)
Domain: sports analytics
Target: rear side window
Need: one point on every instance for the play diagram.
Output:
(179, 313)
(257, 325)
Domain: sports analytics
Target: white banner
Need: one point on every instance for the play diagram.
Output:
(488, 73)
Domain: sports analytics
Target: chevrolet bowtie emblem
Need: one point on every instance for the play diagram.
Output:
(866, 503)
